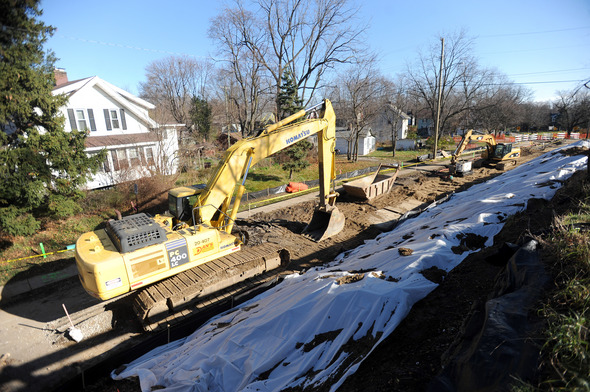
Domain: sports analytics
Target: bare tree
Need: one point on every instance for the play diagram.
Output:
(397, 100)
(241, 78)
(171, 84)
(462, 79)
(306, 37)
(358, 97)
(533, 116)
(573, 108)
(497, 105)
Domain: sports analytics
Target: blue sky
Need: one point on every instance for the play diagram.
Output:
(535, 42)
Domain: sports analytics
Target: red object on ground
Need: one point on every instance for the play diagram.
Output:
(296, 187)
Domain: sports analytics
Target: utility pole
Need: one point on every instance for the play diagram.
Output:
(227, 116)
(437, 120)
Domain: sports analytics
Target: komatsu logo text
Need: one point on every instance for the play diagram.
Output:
(297, 137)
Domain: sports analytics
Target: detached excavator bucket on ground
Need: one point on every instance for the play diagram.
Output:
(325, 223)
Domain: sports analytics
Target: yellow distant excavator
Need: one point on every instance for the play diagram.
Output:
(182, 258)
(495, 152)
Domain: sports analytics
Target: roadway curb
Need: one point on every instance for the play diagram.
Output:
(14, 289)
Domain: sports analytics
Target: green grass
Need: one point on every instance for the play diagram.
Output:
(566, 352)
(272, 175)
(22, 254)
(401, 156)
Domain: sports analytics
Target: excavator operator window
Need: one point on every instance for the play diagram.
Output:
(184, 207)
(502, 150)
(173, 205)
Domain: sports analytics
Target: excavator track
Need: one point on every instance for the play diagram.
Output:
(209, 284)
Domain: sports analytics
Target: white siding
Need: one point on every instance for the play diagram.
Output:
(131, 139)
(367, 143)
(405, 144)
(94, 98)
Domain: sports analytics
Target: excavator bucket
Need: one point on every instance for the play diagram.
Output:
(325, 223)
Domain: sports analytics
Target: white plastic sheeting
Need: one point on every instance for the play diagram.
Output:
(315, 328)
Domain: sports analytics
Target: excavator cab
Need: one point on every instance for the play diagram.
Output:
(505, 151)
(181, 201)
(502, 150)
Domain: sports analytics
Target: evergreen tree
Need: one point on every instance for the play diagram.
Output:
(41, 166)
(290, 103)
(297, 154)
(200, 114)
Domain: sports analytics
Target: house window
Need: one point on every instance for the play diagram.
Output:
(114, 119)
(122, 158)
(81, 120)
(149, 155)
(134, 156)
(106, 167)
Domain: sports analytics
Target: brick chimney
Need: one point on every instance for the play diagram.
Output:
(61, 76)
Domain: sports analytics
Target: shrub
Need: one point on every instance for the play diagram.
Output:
(60, 207)
(17, 221)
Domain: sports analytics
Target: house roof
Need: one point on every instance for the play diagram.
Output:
(118, 140)
(398, 111)
(127, 100)
(345, 133)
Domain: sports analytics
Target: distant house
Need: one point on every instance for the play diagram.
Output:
(425, 127)
(383, 121)
(366, 140)
(119, 122)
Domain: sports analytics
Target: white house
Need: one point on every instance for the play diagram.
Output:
(119, 121)
(367, 142)
(388, 117)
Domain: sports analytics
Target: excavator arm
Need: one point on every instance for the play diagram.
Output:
(469, 137)
(239, 158)
(213, 206)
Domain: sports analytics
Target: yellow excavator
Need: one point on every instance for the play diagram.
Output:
(182, 258)
(495, 152)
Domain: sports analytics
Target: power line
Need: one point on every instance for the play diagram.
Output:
(103, 43)
(552, 81)
(546, 72)
(538, 49)
(545, 82)
(534, 32)
(123, 46)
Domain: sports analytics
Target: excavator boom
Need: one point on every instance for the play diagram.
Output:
(248, 152)
(469, 137)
